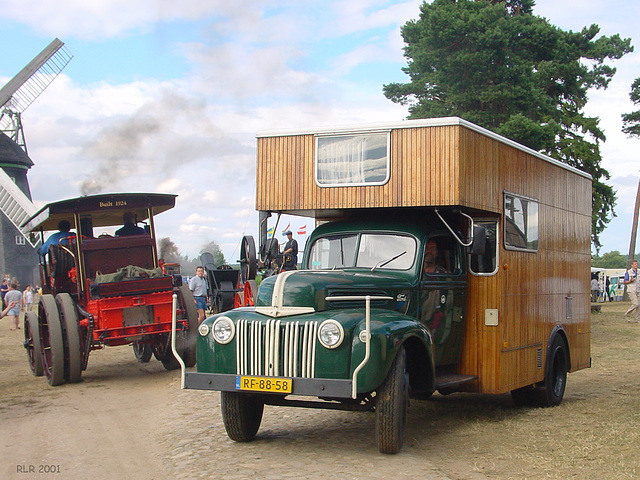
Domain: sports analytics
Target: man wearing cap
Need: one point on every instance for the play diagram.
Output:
(290, 253)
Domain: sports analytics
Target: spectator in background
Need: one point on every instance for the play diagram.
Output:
(631, 281)
(290, 253)
(594, 289)
(198, 286)
(3, 290)
(27, 298)
(14, 297)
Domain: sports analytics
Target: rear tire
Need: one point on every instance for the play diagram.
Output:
(32, 343)
(51, 340)
(241, 415)
(392, 405)
(550, 391)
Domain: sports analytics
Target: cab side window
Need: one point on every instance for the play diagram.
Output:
(486, 262)
(441, 256)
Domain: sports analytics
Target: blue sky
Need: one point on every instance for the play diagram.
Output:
(168, 96)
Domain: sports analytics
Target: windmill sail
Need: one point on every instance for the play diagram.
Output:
(27, 85)
(16, 205)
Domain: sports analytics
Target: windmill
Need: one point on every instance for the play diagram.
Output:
(15, 195)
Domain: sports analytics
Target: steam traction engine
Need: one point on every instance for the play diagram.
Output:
(105, 290)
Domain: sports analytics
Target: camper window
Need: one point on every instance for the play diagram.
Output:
(347, 160)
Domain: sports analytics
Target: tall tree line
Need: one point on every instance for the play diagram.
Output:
(496, 64)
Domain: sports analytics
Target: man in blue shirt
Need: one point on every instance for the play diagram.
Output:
(60, 237)
(198, 286)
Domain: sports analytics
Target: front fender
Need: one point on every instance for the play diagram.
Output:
(389, 331)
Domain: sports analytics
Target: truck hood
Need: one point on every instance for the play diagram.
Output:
(306, 291)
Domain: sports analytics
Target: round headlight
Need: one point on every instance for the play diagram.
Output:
(330, 334)
(203, 329)
(223, 330)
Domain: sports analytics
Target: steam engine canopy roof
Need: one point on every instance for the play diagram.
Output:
(105, 209)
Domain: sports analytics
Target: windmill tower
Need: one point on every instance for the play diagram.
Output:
(18, 253)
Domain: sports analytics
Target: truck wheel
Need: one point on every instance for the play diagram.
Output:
(51, 341)
(32, 343)
(391, 406)
(550, 391)
(186, 340)
(241, 415)
(142, 351)
(71, 335)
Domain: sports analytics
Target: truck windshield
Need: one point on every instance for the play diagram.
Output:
(364, 250)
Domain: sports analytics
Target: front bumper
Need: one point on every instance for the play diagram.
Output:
(315, 387)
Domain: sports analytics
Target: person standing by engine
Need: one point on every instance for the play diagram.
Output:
(631, 281)
(198, 286)
(290, 253)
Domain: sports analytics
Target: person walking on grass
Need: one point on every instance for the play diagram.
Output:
(631, 281)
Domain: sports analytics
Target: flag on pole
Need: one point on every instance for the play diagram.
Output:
(271, 232)
(286, 229)
(302, 230)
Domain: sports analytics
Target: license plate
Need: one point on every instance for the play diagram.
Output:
(264, 384)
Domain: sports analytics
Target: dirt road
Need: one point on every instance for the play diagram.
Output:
(131, 420)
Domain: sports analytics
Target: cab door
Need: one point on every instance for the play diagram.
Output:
(443, 289)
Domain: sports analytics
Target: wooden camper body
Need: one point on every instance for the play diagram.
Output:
(449, 162)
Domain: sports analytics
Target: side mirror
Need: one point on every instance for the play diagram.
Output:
(479, 245)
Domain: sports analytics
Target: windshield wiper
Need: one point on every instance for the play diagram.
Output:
(382, 263)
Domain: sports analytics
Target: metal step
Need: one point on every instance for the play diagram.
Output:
(16, 205)
(453, 380)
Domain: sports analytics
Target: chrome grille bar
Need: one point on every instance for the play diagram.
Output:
(274, 348)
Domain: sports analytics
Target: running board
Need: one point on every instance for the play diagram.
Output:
(452, 381)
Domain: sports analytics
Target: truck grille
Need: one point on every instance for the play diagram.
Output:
(276, 349)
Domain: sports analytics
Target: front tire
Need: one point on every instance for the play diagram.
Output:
(241, 415)
(392, 405)
(142, 351)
